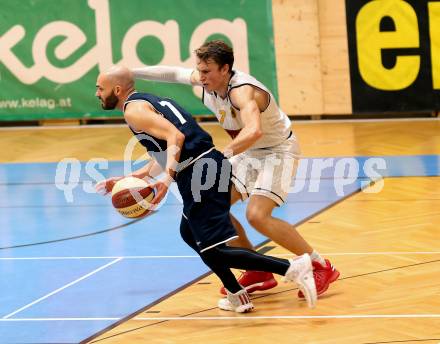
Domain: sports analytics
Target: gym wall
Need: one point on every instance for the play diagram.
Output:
(319, 57)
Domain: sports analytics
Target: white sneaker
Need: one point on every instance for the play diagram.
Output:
(238, 302)
(301, 272)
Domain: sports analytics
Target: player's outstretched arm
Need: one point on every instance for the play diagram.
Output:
(171, 74)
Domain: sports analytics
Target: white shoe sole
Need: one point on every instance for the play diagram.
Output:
(225, 305)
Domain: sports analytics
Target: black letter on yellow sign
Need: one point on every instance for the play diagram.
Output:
(371, 41)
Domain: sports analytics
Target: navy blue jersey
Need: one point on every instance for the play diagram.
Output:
(197, 141)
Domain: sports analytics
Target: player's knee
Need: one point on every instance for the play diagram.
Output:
(211, 257)
(255, 217)
(215, 256)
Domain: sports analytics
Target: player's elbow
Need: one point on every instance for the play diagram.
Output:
(179, 138)
(256, 133)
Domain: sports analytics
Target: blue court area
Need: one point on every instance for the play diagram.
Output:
(71, 267)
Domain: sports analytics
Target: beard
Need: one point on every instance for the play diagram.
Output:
(110, 102)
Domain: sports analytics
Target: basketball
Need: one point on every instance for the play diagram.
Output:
(131, 197)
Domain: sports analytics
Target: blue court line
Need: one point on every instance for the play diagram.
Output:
(37, 211)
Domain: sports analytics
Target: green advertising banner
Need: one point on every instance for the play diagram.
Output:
(51, 51)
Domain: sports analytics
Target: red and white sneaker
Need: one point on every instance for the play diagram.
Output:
(255, 280)
(323, 275)
(238, 302)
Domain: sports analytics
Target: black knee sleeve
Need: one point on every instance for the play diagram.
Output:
(241, 258)
(214, 257)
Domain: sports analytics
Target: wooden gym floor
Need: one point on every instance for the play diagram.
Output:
(386, 246)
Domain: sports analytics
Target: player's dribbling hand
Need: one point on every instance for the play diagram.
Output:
(160, 188)
(106, 186)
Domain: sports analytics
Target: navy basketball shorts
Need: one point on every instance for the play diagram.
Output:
(205, 187)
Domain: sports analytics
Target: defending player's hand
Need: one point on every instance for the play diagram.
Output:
(106, 186)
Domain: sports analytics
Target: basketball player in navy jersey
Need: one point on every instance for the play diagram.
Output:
(162, 125)
(261, 135)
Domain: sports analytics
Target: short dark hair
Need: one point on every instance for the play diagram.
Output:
(218, 51)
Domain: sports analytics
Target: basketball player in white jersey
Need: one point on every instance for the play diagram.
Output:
(264, 152)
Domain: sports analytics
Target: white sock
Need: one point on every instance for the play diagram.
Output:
(315, 256)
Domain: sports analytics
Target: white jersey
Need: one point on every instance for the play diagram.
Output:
(275, 124)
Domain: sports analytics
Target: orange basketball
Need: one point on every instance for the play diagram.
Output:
(131, 197)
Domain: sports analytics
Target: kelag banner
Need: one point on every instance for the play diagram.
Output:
(51, 51)
(394, 49)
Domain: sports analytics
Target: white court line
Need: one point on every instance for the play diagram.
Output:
(391, 253)
(244, 317)
(62, 288)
